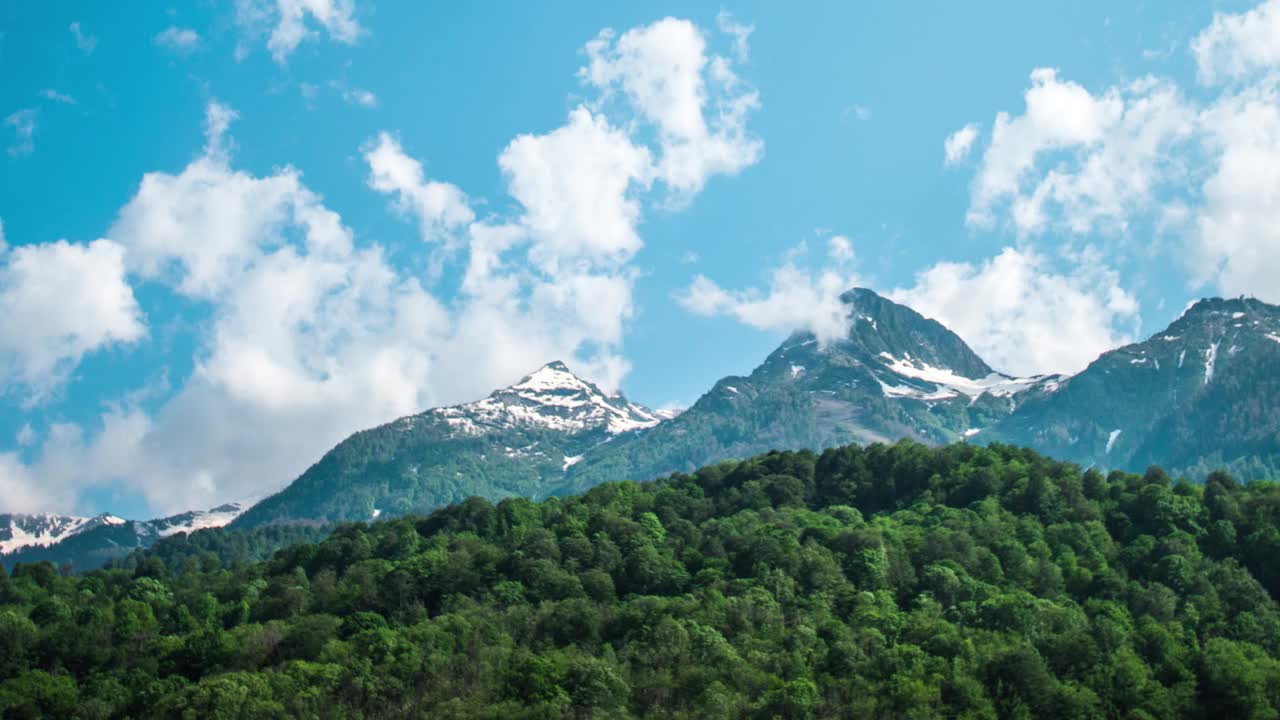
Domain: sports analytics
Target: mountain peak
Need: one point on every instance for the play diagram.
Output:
(554, 374)
(550, 398)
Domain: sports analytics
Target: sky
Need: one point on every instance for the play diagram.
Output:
(233, 233)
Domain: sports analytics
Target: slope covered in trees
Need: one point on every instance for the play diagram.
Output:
(888, 581)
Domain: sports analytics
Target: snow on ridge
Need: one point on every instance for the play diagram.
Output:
(199, 519)
(951, 383)
(39, 530)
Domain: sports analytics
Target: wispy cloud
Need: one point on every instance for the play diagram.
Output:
(84, 41)
(182, 41)
(54, 95)
(23, 123)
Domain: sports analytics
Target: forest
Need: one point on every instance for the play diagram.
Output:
(890, 581)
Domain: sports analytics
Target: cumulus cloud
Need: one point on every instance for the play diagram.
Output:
(61, 301)
(1146, 151)
(1021, 316)
(574, 183)
(796, 298)
(1119, 150)
(23, 123)
(311, 333)
(287, 23)
(178, 40)
(696, 102)
(1234, 242)
(959, 143)
(439, 207)
(1235, 45)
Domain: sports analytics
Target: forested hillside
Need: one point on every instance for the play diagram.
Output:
(887, 581)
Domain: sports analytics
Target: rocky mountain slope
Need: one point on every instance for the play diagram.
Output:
(1203, 393)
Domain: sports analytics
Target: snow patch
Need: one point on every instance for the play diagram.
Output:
(376, 513)
(972, 431)
(570, 461)
(797, 371)
(1210, 358)
(1111, 440)
(1273, 336)
(951, 383)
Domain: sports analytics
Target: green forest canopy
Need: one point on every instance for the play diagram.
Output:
(887, 581)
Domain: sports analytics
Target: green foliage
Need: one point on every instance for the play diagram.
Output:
(886, 581)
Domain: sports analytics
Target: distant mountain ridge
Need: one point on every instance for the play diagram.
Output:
(90, 542)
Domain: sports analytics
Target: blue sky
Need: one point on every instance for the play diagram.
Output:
(236, 232)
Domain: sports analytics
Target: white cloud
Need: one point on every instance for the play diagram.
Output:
(1233, 46)
(1059, 115)
(84, 41)
(359, 96)
(54, 95)
(959, 143)
(1147, 151)
(61, 301)
(439, 207)
(179, 40)
(1235, 239)
(665, 74)
(23, 123)
(796, 299)
(287, 23)
(576, 184)
(1022, 317)
(741, 34)
(1081, 161)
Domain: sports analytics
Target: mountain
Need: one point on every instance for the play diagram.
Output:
(896, 374)
(519, 441)
(87, 543)
(1199, 395)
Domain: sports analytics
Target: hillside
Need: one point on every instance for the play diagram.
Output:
(888, 581)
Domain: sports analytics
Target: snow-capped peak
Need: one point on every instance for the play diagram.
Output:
(551, 397)
(189, 522)
(18, 530)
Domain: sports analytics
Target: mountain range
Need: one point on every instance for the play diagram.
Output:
(88, 542)
(1195, 397)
